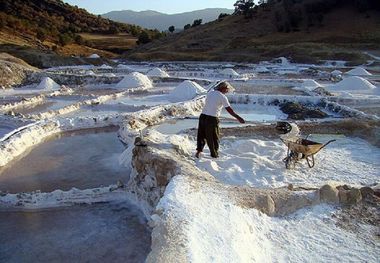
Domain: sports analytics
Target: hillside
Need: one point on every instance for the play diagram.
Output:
(52, 27)
(156, 20)
(306, 32)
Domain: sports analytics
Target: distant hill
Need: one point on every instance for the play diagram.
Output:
(30, 27)
(304, 31)
(156, 20)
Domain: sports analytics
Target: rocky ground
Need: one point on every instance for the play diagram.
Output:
(13, 71)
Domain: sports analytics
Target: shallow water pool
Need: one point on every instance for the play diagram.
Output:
(103, 232)
(82, 159)
(151, 100)
(251, 113)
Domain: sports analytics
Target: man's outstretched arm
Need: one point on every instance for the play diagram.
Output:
(231, 111)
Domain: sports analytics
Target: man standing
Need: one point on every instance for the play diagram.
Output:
(208, 127)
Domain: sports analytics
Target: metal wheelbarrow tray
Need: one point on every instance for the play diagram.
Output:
(302, 149)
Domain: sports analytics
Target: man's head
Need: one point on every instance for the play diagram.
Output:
(224, 87)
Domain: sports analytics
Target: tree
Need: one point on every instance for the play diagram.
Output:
(41, 34)
(221, 15)
(171, 29)
(243, 7)
(78, 39)
(144, 38)
(65, 39)
(113, 30)
(197, 22)
(187, 26)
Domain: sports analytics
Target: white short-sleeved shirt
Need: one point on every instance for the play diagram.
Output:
(215, 101)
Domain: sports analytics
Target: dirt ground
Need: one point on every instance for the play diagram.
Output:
(352, 218)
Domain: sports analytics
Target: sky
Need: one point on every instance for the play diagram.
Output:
(164, 6)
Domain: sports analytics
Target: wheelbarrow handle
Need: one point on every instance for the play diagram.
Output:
(324, 145)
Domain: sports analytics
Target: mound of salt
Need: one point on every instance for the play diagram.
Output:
(122, 66)
(109, 75)
(310, 84)
(282, 60)
(262, 69)
(48, 84)
(94, 56)
(353, 83)
(336, 72)
(229, 72)
(135, 80)
(358, 72)
(90, 72)
(187, 90)
(104, 66)
(157, 72)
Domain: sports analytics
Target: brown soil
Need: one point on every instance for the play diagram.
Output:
(364, 213)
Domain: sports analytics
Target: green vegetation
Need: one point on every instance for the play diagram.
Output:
(59, 23)
(290, 15)
(197, 22)
(307, 31)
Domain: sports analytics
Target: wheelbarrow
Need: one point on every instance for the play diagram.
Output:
(299, 148)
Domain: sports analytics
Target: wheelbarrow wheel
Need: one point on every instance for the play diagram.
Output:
(310, 161)
(290, 159)
(288, 163)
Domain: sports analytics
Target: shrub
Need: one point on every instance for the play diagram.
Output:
(221, 15)
(143, 38)
(41, 35)
(197, 22)
(64, 39)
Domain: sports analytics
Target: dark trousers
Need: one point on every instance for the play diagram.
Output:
(208, 131)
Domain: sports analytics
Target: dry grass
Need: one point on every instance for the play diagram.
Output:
(112, 43)
(251, 40)
(83, 51)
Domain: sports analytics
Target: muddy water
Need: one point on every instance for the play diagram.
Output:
(82, 159)
(107, 232)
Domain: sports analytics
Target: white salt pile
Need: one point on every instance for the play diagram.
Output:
(122, 66)
(310, 84)
(336, 72)
(94, 56)
(359, 71)
(187, 90)
(135, 80)
(90, 72)
(229, 72)
(262, 69)
(48, 84)
(109, 75)
(157, 72)
(353, 84)
(104, 66)
(282, 60)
